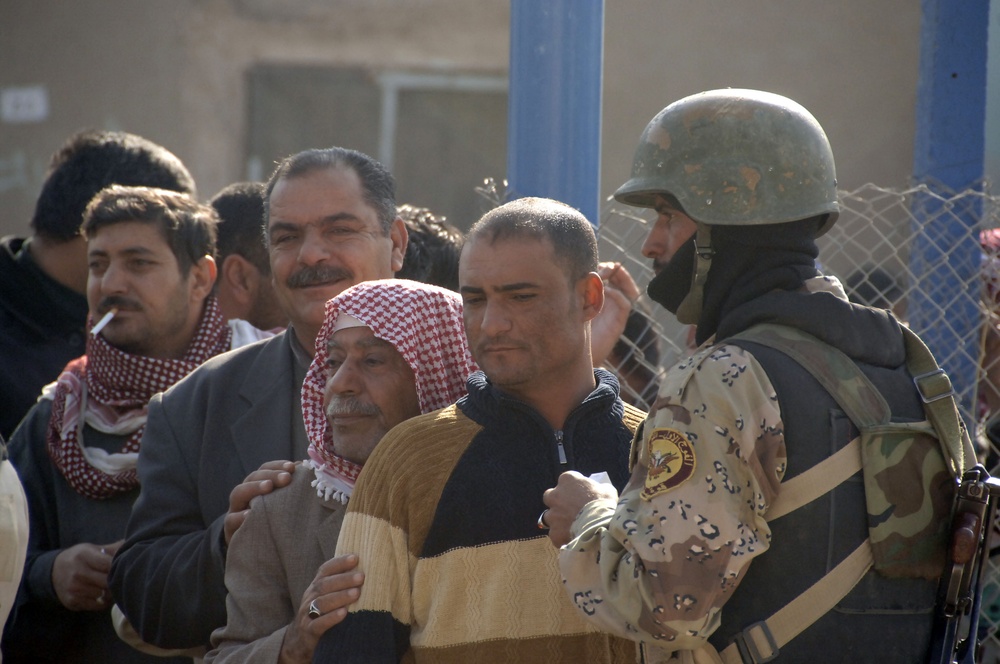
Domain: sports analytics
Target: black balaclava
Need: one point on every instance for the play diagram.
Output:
(673, 282)
(748, 261)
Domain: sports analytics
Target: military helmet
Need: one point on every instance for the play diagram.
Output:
(736, 158)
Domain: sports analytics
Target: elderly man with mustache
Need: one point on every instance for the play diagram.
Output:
(331, 223)
(389, 350)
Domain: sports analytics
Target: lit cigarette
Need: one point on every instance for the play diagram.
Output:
(104, 321)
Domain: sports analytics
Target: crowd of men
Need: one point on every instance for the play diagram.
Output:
(304, 423)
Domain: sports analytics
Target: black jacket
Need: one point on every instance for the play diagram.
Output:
(41, 329)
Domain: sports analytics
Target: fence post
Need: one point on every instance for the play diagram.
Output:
(948, 158)
(554, 101)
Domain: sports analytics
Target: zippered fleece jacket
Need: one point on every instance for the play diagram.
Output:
(443, 519)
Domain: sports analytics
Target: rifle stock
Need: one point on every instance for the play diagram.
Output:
(956, 624)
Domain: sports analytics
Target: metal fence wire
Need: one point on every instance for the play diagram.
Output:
(930, 255)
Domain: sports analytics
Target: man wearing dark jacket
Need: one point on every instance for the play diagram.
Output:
(151, 275)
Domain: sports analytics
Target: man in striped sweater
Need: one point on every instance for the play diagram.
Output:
(445, 515)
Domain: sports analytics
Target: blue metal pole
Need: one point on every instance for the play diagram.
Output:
(554, 112)
(948, 158)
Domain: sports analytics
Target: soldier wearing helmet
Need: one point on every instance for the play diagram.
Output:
(707, 551)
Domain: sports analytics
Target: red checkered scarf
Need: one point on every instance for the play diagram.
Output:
(110, 390)
(990, 242)
(424, 323)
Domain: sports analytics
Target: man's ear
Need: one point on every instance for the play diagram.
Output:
(239, 278)
(591, 291)
(399, 237)
(202, 277)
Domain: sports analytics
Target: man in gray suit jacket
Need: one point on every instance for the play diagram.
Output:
(210, 441)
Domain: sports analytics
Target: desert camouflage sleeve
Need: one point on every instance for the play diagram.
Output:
(659, 567)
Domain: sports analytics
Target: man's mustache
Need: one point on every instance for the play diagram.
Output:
(117, 302)
(349, 406)
(317, 275)
(499, 341)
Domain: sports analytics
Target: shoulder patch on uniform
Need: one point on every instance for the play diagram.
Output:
(671, 462)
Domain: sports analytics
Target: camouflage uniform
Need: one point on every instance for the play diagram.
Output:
(699, 550)
(683, 519)
(661, 565)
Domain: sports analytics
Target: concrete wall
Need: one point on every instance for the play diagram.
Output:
(175, 71)
(853, 64)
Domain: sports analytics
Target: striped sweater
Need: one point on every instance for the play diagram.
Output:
(443, 519)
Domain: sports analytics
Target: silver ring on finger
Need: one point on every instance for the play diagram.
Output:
(100, 598)
(314, 611)
(541, 521)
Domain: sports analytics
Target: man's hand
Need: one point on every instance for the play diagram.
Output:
(336, 585)
(620, 292)
(567, 498)
(80, 576)
(272, 475)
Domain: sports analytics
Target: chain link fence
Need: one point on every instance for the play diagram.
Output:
(930, 255)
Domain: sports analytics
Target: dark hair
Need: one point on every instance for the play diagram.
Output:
(432, 250)
(377, 184)
(240, 207)
(572, 236)
(187, 226)
(91, 160)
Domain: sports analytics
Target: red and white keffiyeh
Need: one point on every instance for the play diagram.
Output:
(424, 323)
(989, 271)
(110, 390)
(990, 242)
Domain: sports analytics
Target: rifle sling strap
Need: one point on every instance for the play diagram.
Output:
(762, 640)
(817, 481)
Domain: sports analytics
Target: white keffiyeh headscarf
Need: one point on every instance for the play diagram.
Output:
(423, 323)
